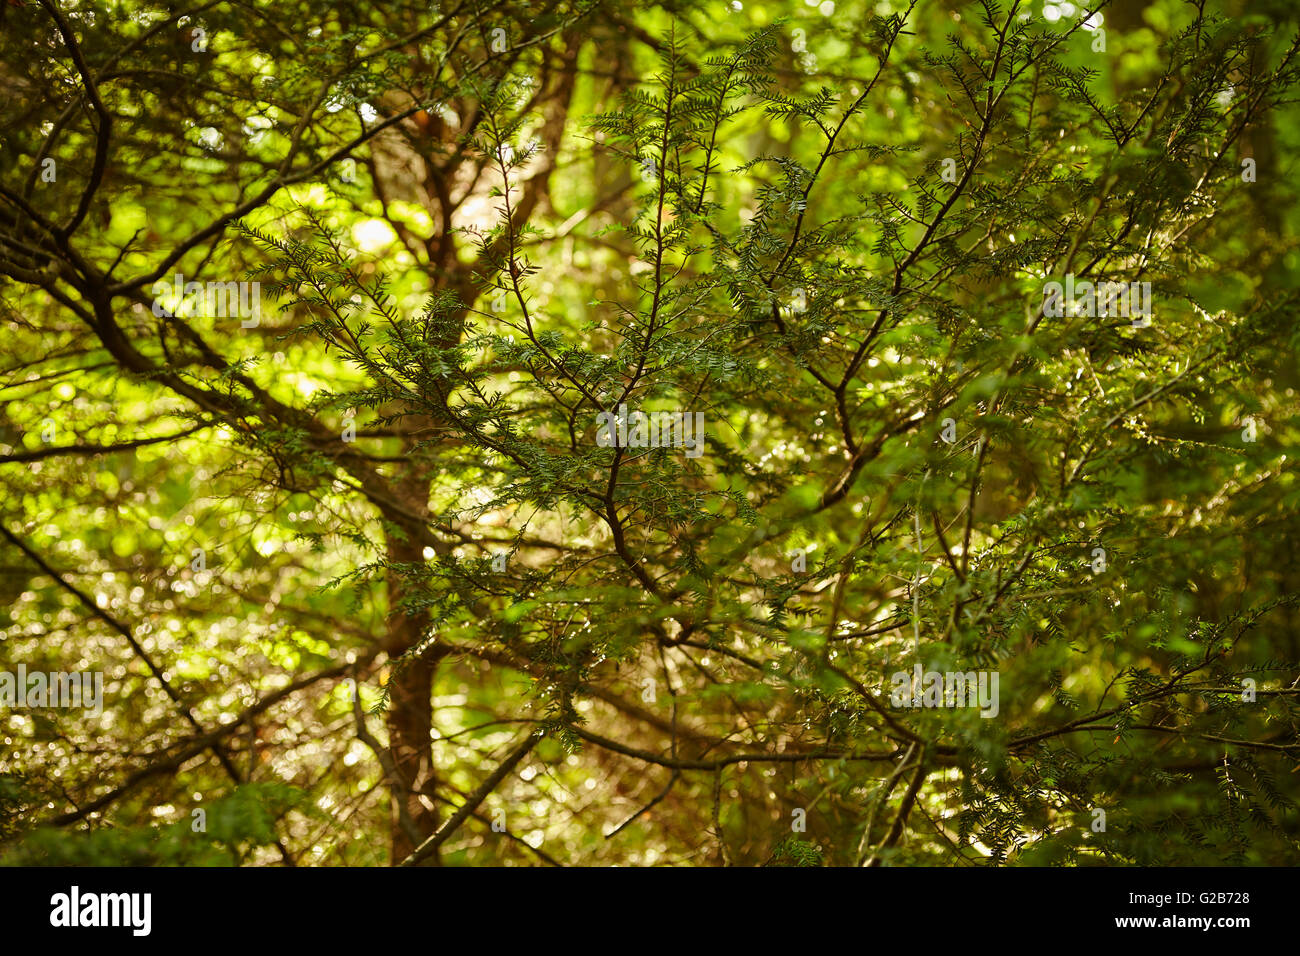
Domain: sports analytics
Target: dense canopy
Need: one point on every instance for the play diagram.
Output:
(680, 432)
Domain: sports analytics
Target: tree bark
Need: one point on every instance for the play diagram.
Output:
(409, 716)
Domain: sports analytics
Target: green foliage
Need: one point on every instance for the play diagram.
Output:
(234, 825)
(835, 246)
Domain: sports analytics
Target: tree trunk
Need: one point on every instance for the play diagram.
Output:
(410, 704)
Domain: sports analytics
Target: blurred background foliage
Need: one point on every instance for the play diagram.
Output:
(477, 224)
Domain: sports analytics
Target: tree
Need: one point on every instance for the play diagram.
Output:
(703, 439)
